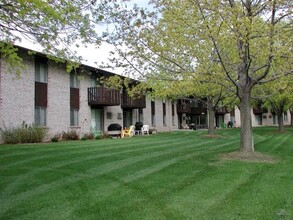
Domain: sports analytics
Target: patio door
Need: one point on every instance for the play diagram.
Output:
(127, 118)
(219, 120)
(97, 122)
(258, 119)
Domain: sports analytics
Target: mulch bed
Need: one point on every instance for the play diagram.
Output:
(249, 157)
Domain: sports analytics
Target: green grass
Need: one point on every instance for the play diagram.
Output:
(176, 175)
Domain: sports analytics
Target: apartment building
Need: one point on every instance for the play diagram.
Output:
(46, 95)
(195, 113)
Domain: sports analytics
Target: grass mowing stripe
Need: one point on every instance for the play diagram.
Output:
(278, 141)
(117, 145)
(142, 173)
(93, 172)
(68, 162)
(248, 180)
(231, 191)
(60, 163)
(258, 188)
(45, 148)
(92, 156)
(177, 189)
(124, 182)
(78, 151)
(70, 145)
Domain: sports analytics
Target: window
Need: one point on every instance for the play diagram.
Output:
(74, 81)
(41, 70)
(40, 116)
(173, 113)
(74, 99)
(164, 114)
(153, 110)
(41, 90)
(140, 114)
(94, 81)
(73, 117)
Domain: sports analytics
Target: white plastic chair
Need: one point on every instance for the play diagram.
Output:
(145, 129)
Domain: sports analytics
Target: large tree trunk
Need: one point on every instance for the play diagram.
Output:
(280, 122)
(279, 108)
(211, 118)
(246, 134)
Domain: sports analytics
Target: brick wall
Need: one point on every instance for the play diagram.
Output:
(17, 94)
(58, 110)
(17, 101)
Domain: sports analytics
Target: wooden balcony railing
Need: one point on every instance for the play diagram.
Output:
(133, 102)
(198, 110)
(183, 108)
(103, 96)
(222, 110)
(259, 110)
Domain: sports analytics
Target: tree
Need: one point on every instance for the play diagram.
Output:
(246, 38)
(196, 89)
(291, 113)
(55, 25)
(280, 99)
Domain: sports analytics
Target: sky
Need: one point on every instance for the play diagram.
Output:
(92, 56)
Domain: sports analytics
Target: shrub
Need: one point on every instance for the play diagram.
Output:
(56, 137)
(70, 135)
(107, 136)
(99, 137)
(23, 134)
(83, 138)
(88, 136)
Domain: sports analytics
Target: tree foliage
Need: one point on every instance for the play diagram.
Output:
(235, 44)
(55, 25)
(280, 98)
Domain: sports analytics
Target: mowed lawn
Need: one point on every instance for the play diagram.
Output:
(175, 175)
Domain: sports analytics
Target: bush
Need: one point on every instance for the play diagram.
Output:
(88, 136)
(84, 138)
(70, 135)
(106, 136)
(99, 137)
(23, 134)
(56, 137)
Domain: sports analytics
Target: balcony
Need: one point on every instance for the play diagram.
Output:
(198, 110)
(183, 108)
(133, 102)
(259, 110)
(222, 111)
(103, 96)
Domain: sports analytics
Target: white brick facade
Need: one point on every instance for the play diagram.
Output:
(17, 102)
(17, 95)
(58, 99)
